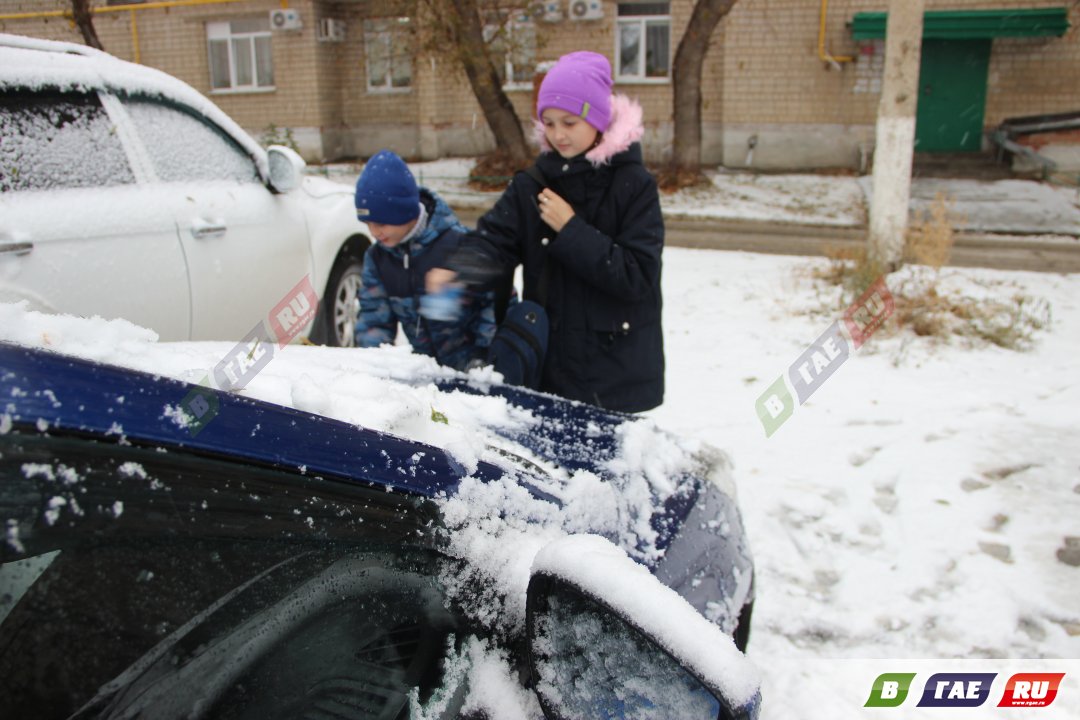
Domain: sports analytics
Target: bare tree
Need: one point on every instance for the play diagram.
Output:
(455, 30)
(686, 78)
(84, 20)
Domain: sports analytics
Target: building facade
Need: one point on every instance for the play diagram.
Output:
(787, 84)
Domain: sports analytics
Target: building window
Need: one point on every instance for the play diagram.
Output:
(240, 57)
(643, 44)
(512, 42)
(387, 43)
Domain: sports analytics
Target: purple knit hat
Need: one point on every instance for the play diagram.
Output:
(580, 83)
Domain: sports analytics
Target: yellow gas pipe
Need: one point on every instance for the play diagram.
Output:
(821, 51)
(132, 9)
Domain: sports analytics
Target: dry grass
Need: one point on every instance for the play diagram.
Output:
(670, 179)
(921, 305)
(930, 237)
(850, 269)
(493, 172)
(1009, 322)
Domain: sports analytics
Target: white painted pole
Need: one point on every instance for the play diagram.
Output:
(895, 142)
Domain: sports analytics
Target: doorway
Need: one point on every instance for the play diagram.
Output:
(952, 95)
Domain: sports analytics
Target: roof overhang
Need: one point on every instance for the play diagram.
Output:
(972, 24)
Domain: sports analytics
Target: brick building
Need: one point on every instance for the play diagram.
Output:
(787, 83)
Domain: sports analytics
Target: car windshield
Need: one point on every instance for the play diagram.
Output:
(139, 578)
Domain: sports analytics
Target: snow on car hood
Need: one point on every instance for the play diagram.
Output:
(497, 527)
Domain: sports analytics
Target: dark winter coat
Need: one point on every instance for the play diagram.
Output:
(393, 283)
(603, 268)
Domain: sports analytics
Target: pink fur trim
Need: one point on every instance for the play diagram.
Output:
(624, 130)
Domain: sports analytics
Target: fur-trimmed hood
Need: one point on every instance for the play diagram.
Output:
(624, 130)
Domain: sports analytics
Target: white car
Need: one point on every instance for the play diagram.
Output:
(126, 193)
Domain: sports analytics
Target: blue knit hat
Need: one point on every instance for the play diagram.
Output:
(386, 191)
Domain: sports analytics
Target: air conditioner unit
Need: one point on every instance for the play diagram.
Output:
(586, 10)
(331, 30)
(285, 20)
(548, 11)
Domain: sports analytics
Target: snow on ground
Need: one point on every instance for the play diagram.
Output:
(916, 506)
(919, 506)
(813, 199)
(1002, 206)
(809, 199)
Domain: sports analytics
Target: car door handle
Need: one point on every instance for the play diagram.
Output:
(203, 229)
(16, 248)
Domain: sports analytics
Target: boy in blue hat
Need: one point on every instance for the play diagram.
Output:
(414, 231)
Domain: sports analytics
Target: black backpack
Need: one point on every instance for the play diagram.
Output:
(517, 351)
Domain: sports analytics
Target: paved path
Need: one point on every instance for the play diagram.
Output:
(991, 250)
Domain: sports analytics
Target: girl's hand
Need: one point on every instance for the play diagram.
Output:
(554, 211)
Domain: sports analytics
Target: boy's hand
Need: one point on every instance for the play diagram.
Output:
(445, 305)
(437, 279)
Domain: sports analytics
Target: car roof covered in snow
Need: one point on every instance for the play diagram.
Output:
(33, 63)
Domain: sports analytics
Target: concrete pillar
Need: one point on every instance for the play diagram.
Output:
(894, 146)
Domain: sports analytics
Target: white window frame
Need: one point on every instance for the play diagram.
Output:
(517, 23)
(642, 21)
(222, 32)
(393, 28)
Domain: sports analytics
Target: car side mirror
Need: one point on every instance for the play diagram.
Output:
(286, 168)
(607, 639)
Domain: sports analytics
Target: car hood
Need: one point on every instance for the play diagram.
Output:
(570, 461)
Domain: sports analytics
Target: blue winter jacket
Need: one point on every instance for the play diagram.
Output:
(393, 283)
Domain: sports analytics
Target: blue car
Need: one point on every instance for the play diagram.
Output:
(173, 551)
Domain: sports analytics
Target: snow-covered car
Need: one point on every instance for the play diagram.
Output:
(126, 193)
(174, 551)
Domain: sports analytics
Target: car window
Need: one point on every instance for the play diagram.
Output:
(153, 583)
(184, 147)
(53, 139)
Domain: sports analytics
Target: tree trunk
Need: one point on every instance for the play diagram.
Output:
(84, 20)
(686, 78)
(497, 108)
(895, 140)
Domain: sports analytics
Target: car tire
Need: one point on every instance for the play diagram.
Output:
(336, 325)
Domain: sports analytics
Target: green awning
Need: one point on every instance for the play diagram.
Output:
(972, 24)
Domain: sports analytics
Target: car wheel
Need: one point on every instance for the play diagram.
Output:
(341, 304)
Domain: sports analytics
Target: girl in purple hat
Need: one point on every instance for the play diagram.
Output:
(588, 233)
